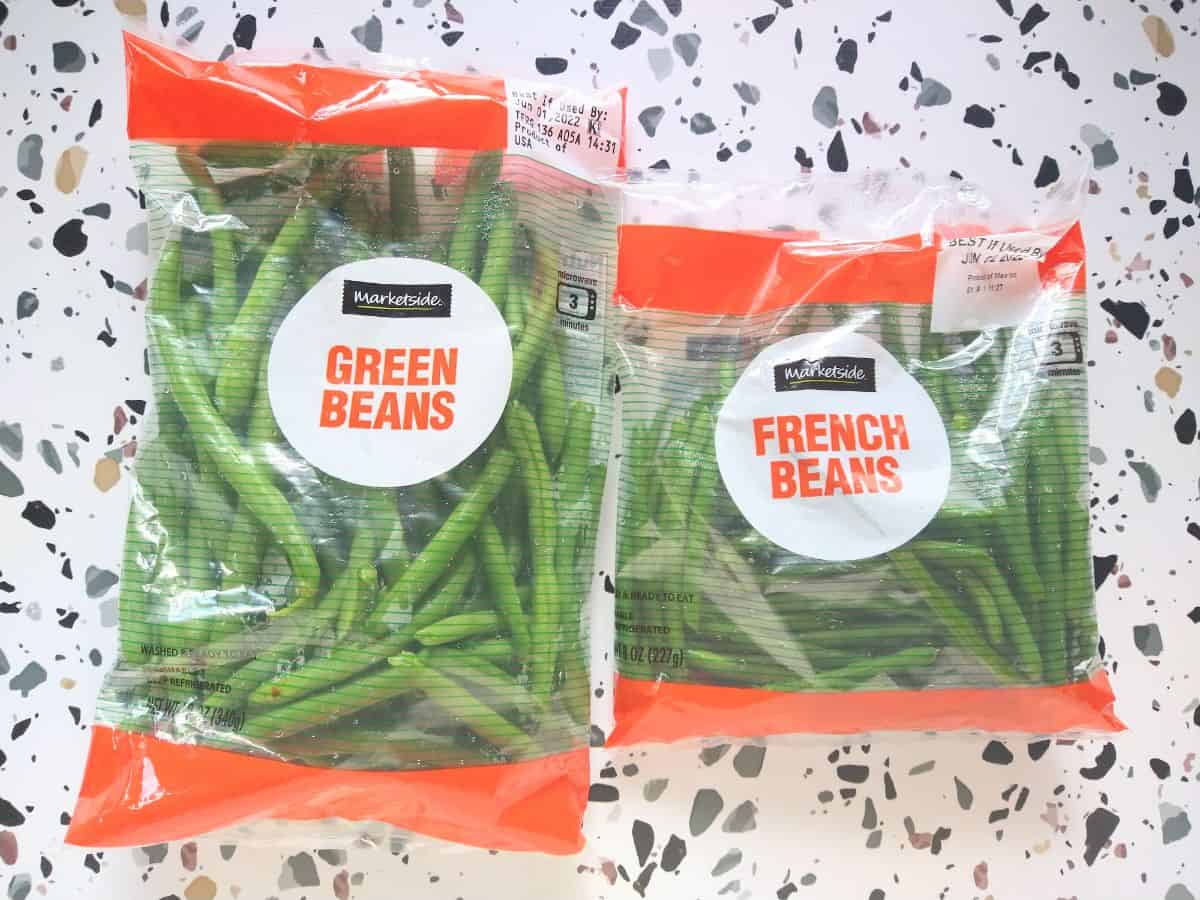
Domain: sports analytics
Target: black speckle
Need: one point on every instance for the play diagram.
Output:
(1160, 767)
(99, 210)
(798, 40)
(450, 38)
(650, 118)
(27, 304)
(604, 8)
(673, 854)
(643, 879)
(550, 65)
(19, 728)
(1037, 749)
(164, 14)
(1185, 427)
(853, 774)
(1194, 615)
(674, 7)
(1005, 5)
(39, 514)
(1133, 316)
(1171, 99)
(1047, 172)
(68, 57)
(835, 156)
(1137, 78)
(596, 737)
(979, 116)
(964, 794)
(1099, 828)
(889, 786)
(369, 34)
(625, 35)
(710, 756)
(10, 816)
(687, 46)
(1157, 206)
(1105, 760)
(847, 55)
(940, 835)
(1034, 16)
(996, 753)
(701, 123)
(644, 16)
(244, 32)
(643, 840)
(706, 806)
(603, 793)
(724, 154)
(1183, 188)
(763, 22)
(1102, 567)
(91, 863)
(748, 761)
(786, 891)
(69, 239)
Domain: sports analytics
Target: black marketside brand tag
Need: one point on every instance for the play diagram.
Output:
(396, 301)
(828, 373)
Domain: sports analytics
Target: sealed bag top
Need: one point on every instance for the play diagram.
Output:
(853, 484)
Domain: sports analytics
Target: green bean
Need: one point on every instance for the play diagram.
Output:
(442, 688)
(552, 403)
(864, 669)
(949, 557)
(1014, 545)
(461, 524)
(953, 619)
(347, 660)
(458, 628)
(536, 318)
(497, 265)
(487, 678)
(543, 526)
(499, 651)
(700, 436)
(343, 700)
(402, 193)
(214, 437)
(1076, 575)
(504, 588)
(463, 253)
(245, 341)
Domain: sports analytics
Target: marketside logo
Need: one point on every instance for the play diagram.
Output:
(396, 301)
(829, 373)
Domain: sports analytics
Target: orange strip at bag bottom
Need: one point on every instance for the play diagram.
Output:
(650, 711)
(138, 789)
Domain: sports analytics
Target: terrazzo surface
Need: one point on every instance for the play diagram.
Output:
(1013, 94)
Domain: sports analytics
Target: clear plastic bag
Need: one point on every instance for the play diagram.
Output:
(853, 492)
(363, 519)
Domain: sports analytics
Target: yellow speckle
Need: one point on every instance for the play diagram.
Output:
(1041, 847)
(1168, 381)
(107, 473)
(69, 170)
(131, 7)
(1159, 33)
(66, 683)
(202, 888)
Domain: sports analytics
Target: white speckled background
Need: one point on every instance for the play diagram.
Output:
(1002, 91)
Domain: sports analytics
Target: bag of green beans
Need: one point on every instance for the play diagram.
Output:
(853, 492)
(365, 499)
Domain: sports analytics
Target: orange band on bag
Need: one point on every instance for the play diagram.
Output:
(174, 98)
(662, 711)
(139, 789)
(739, 273)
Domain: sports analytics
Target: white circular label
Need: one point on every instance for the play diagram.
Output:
(831, 449)
(390, 371)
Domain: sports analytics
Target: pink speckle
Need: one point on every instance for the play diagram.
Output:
(869, 124)
(1169, 348)
(129, 450)
(188, 855)
(1188, 762)
(1123, 580)
(8, 848)
(1186, 279)
(1139, 264)
(341, 885)
(452, 14)
(139, 292)
(609, 869)
(1110, 336)
(981, 876)
(1120, 851)
(120, 419)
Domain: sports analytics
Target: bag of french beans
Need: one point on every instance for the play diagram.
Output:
(365, 499)
(853, 490)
